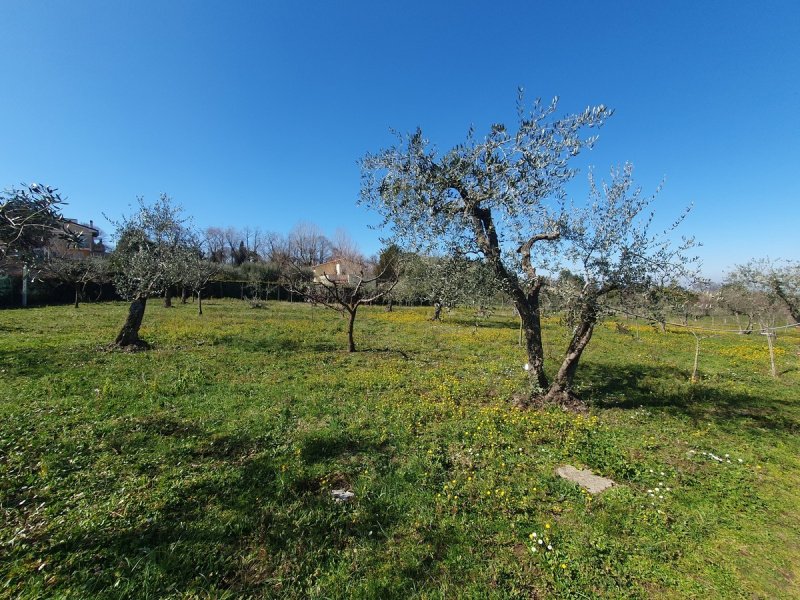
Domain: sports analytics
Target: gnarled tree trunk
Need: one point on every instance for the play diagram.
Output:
(129, 334)
(530, 317)
(437, 311)
(560, 391)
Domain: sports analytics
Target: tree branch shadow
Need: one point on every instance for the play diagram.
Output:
(236, 520)
(668, 388)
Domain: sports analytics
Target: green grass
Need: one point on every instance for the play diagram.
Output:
(203, 468)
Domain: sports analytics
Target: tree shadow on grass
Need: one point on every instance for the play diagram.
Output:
(280, 344)
(403, 353)
(232, 519)
(668, 389)
(28, 362)
(328, 445)
(481, 322)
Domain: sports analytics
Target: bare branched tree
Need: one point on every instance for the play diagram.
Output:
(214, 242)
(343, 295)
(276, 248)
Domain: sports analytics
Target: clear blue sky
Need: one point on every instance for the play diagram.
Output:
(255, 113)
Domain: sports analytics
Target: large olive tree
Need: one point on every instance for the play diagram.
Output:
(501, 198)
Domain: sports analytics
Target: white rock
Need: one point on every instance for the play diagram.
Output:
(342, 495)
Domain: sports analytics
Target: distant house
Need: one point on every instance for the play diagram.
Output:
(339, 270)
(88, 243)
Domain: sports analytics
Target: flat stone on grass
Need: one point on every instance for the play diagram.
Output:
(592, 483)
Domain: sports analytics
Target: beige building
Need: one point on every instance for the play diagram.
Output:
(89, 244)
(339, 270)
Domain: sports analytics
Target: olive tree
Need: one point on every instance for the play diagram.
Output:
(610, 244)
(778, 279)
(148, 258)
(76, 272)
(501, 197)
(29, 218)
(448, 281)
(487, 197)
(766, 291)
(195, 270)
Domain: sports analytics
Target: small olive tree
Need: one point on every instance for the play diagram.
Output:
(148, 258)
(780, 280)
(196, 271)
(448, 281)
(766, 291)
(76, 272)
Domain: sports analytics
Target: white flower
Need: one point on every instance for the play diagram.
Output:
(549, 547)
(540, 541)
(527, 367)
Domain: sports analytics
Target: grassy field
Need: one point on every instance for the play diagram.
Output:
(203, 468)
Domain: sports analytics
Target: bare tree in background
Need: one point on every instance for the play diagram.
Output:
(253, 242)
(214, 242)
(344, 246)
(308, 246)
(276, 248)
